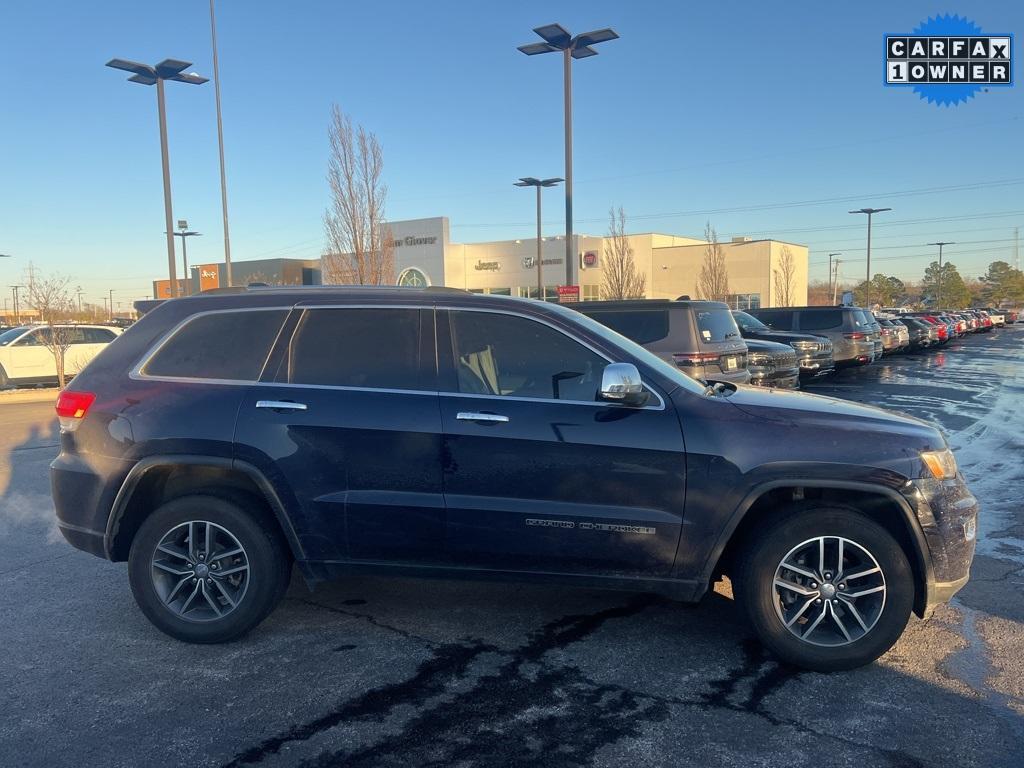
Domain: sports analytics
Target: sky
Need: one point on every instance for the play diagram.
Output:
(768, 120)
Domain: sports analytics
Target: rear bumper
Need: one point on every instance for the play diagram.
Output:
(83, 494)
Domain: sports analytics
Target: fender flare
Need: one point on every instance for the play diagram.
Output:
(144, 466)
(920, 545)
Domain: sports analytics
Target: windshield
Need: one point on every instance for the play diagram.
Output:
(8, 336)
(647, 358)
(749, 322)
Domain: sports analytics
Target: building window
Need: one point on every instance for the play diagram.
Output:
(530, 292)
(744, 300)
(494, 291)
(591, 292)
(413, 278)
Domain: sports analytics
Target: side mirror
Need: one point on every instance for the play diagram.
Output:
(620, 382)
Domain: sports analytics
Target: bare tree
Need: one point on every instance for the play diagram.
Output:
(713, 279)
(53, 298)
(785, 278)
(360, 246)
(621, 279)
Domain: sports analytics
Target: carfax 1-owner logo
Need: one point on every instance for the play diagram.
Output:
(948, 59)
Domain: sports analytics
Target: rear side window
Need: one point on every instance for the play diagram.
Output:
(219, 345)
(640, 325)
(820, 320)
(861, 318)
(373, 348)
(715, 325)
(98, 335)
(776, 318)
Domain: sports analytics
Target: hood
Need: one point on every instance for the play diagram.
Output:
(768, 347)
(828, 413)
(782, 337)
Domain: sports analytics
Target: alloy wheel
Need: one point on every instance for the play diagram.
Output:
(829, 591)
(200, 571)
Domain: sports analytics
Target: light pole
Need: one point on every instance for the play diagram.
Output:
(558, 38)
(168, 69)
(185, 232)
(530, 181)
(938, 290)
(867, 286)
(830, 269)
(835, 285)
(220, 145)
(110, 305)
(17, 312)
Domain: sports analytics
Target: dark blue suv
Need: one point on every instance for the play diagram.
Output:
(439, 433)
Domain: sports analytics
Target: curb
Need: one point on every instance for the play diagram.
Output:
(28, 396)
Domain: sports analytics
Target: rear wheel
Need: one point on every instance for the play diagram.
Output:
(203, 569)
(4, 381)
(826, 588)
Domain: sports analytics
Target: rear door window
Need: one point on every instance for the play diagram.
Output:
(98, 335)
(715, 325)
(641, 325)
(231, 346)
(821, 320)
(364, 348)
(861, 319)
(779, 319)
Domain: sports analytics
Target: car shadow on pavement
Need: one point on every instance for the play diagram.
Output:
(533, 675)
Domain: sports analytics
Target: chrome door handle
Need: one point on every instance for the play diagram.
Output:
(281, 405)
(495, 418)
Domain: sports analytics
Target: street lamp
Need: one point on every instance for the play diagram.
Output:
(529, 181)
(938, 292)
(220, 146)
(168, 69)
(17, 313)
(183, 233)
(867, 286)
(830, 270)
(558, 38)
(835, 287)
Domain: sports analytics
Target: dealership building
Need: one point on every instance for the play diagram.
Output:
(425, 255)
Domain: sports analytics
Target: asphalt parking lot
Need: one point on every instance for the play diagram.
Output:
(373, 672)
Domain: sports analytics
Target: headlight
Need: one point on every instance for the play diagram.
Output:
(803, 345)
(941, 464)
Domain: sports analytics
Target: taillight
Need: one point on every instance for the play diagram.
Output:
(855, 336)
(72, 407)
(695, 358)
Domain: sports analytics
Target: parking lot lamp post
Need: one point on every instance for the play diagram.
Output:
(558, 38)
(938, 287)
(835, 284)
(867, 286)
(144, 74)
(17, 312)
(530, 181)
(184, 232)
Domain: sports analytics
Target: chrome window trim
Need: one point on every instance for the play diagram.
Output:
(138, 372)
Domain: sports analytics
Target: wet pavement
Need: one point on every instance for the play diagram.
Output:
(375, 672)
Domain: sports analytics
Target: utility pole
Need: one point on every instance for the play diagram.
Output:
(110, 305)
(1016, 247)
(835, 284)
(79, 291)
(938, 290)
(17, 312)
(830, 270)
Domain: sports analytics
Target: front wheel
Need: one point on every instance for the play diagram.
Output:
(826, 588)
(204, 569)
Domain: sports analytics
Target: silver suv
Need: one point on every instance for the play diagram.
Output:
(856, 337)
(698, 337)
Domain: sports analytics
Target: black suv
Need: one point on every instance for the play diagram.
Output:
(434, 432)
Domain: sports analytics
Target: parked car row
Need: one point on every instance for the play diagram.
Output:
(26, 355)
(780, 346)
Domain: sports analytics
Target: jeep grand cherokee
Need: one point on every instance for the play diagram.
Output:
(438, 433)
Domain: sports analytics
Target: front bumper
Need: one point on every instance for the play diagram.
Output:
(815, 364)
(784, 378)
(948, 515)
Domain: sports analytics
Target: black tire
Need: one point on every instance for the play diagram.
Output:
(766, 604)
(4, 381)
(264, 553)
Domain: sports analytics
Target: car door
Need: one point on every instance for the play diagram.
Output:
(346, 421)
(31, 357)
(538, 474)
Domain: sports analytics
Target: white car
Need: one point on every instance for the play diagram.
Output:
(25, 356)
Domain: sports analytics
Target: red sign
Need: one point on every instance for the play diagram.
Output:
(567, 294)
(590, 259)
